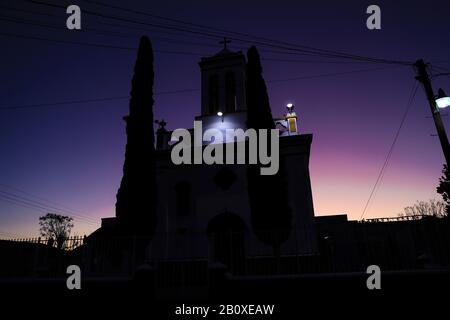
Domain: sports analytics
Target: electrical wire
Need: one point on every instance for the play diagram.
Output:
(71, 102)
(391, 149)
(261, 40)
(32, 204)
(42, 201)
(316, 51)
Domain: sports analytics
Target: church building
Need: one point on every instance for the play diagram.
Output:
(203, 210)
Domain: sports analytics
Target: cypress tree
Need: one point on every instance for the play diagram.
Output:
(137, 195)
(270, 212)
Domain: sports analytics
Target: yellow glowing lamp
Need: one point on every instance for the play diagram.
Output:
(291, 119)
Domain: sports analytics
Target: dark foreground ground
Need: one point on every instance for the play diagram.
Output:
(417, 294)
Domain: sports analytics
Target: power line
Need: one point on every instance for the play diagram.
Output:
(323, 75)
(391, 149)
(441, 68)
(261, 40)
(390, 152)
(71, 102)
(6, 18)
(58, 208)
(313, 61)
(10, 19)
(94, 44)
(23, 201)
(441, 61)
(318, 52)
(65, 41)
(28, 11)
(98, 14)
(148, 29)
(52, 104)
(42, 210)
(118, 34)
(35, 208)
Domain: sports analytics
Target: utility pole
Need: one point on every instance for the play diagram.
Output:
(422, 76)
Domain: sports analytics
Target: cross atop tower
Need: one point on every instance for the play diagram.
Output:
(225, 41)
(223, 84)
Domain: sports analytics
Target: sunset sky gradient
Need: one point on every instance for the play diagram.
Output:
(72, 154)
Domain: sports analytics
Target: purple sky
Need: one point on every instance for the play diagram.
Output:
(72, 154)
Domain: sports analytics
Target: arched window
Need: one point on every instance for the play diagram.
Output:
(230, 92)
(183, 198)
(213, 94)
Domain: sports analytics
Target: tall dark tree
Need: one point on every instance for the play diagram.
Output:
(137, 195)
(444, 187)
(270, 212)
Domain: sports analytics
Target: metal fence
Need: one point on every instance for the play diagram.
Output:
(185, 258)
(69, 243)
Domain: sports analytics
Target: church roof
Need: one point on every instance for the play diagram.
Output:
(225, 53)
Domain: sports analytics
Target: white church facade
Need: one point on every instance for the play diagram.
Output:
(203, 210)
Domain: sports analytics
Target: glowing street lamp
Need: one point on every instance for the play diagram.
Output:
(442, 100)
(435, 103)
(220, 114)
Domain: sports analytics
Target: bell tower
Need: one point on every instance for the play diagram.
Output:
(223, 82)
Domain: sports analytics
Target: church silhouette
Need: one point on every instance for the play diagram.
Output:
(203, 212)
